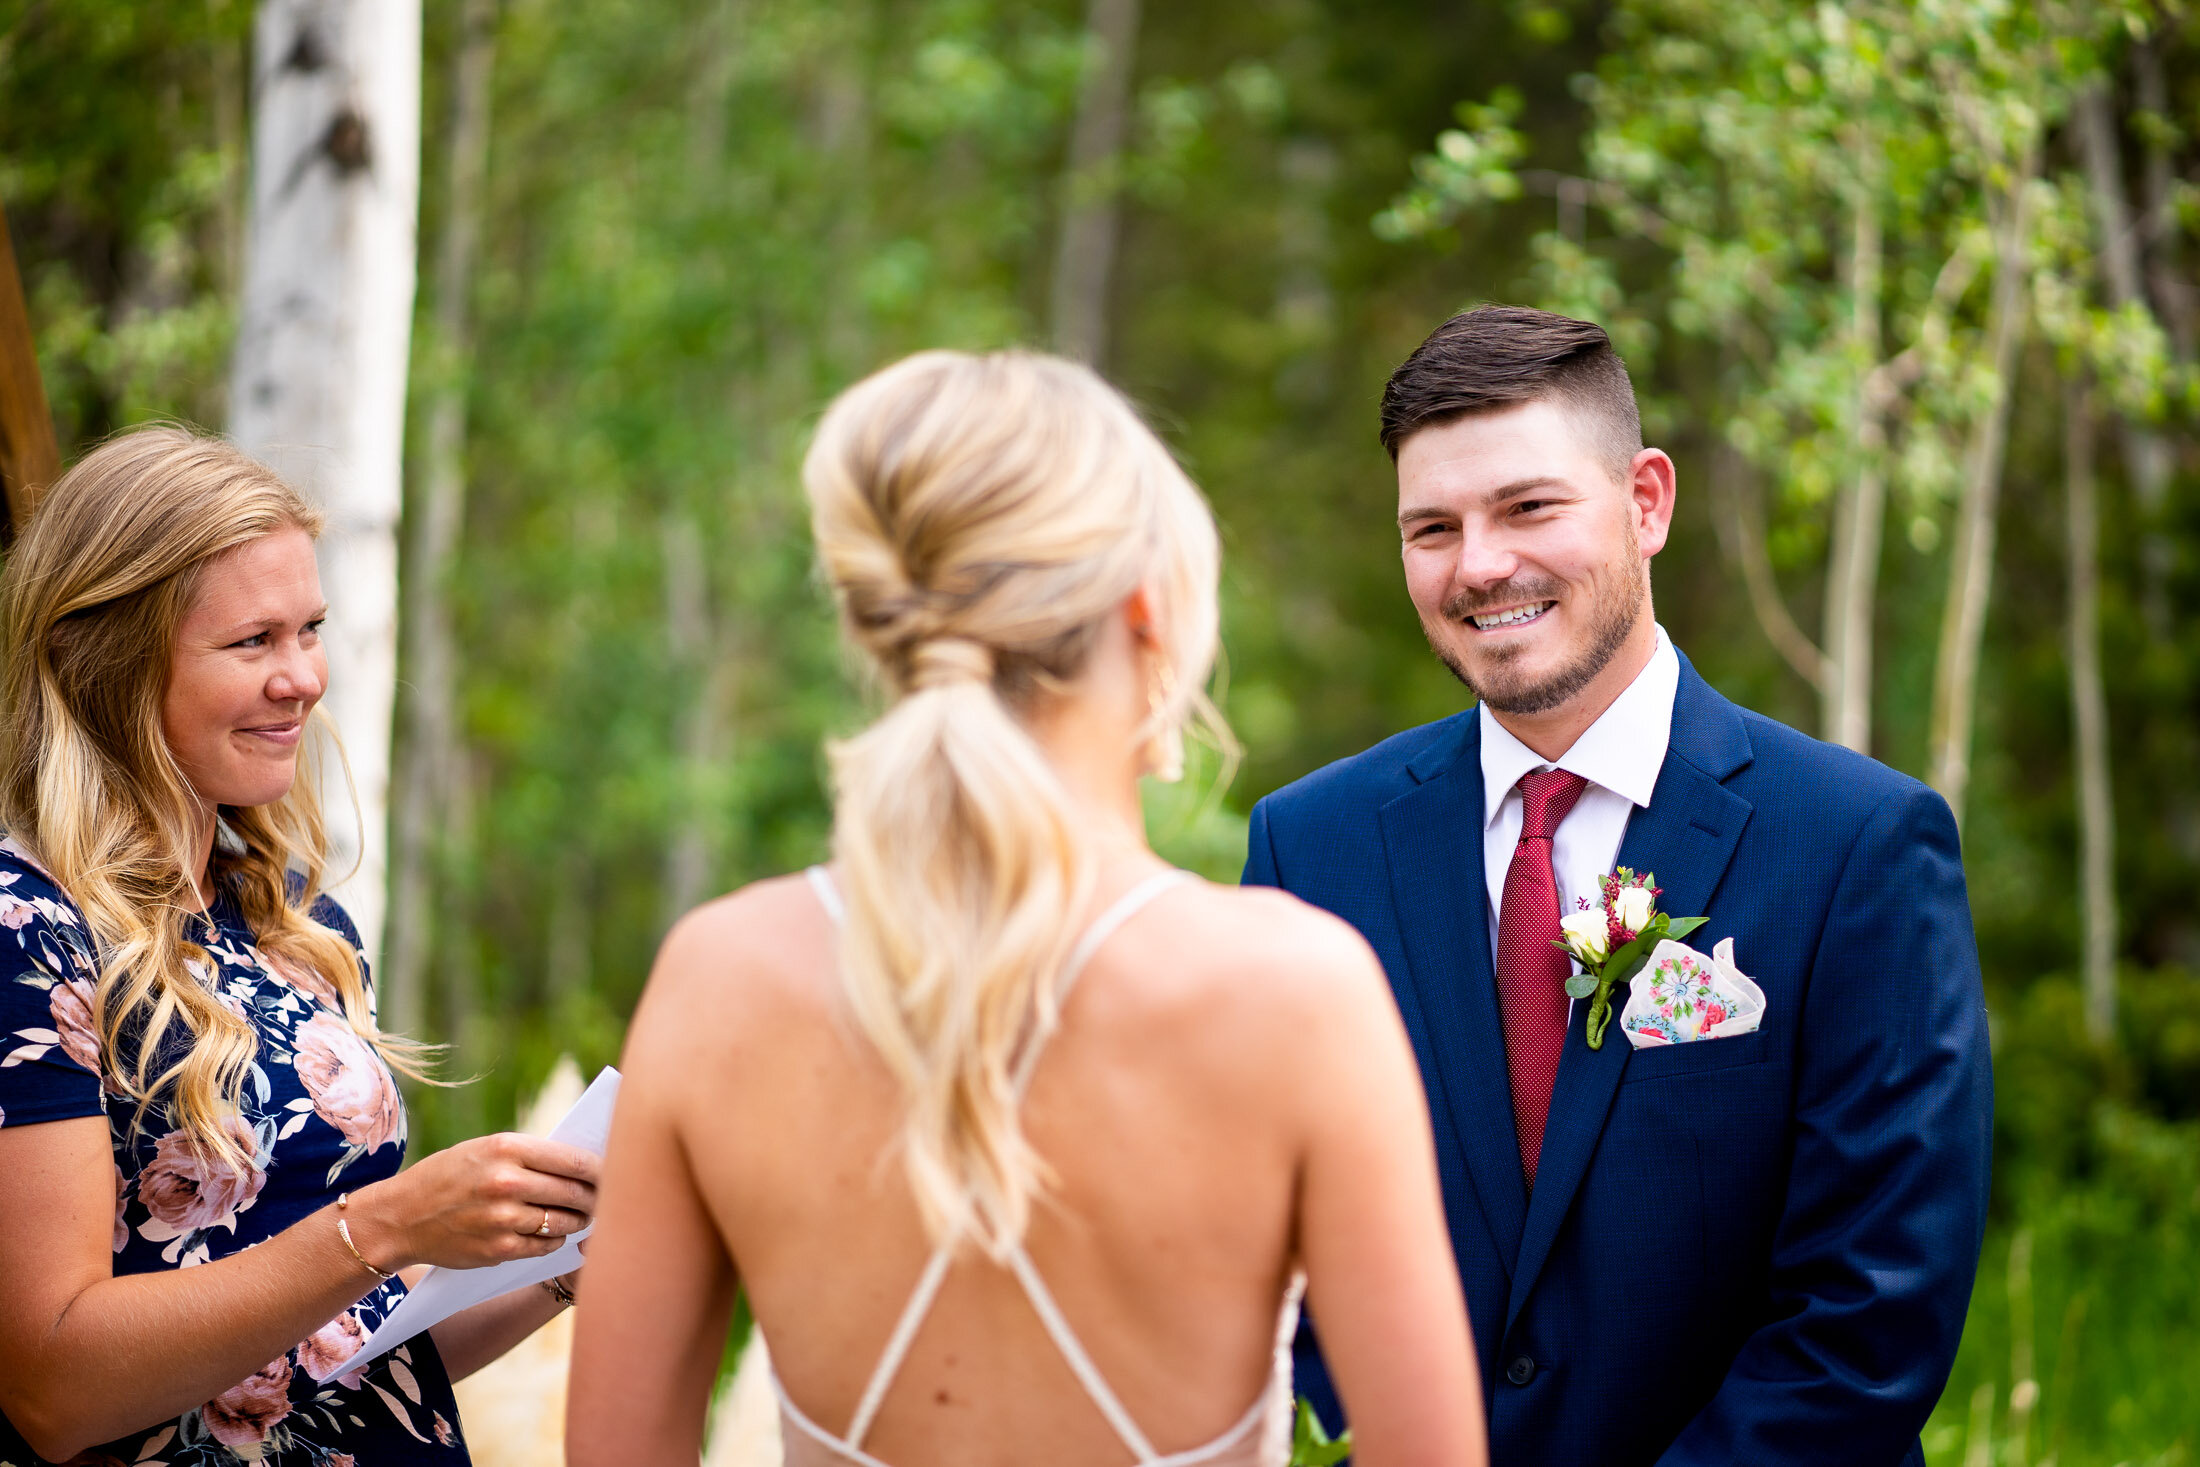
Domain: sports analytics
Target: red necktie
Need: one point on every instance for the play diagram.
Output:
(1531, 974)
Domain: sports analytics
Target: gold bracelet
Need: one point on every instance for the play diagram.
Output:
(343, 1230)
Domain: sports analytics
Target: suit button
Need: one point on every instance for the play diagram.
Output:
(1521, 1371)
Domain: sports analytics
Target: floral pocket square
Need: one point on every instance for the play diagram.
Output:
(1681, 996)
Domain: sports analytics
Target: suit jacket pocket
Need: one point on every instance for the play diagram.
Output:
(1659, 1062)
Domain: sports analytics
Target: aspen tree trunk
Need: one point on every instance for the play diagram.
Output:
(1852, 580)
(318, 385)
(2089, 719)
(1084, 257)
(434, 806)
(691, 625)
(1738, 516)
(1971, 566)
(699, 743)
(30, 460)
(2146, 452)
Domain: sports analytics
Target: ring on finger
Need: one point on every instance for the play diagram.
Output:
(544, 1230)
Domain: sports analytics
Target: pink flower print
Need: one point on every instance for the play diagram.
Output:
(331, 1345)
(1713, 1014)
(242, 1416)
(15, 913)
(71, 1003)
(306, 979)
(351, 1088)
(122, 1201)
(337, 1459)
(444, 1435)
(188, 1192)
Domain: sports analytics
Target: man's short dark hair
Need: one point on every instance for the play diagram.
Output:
(1496, 357)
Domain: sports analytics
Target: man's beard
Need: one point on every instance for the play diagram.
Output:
(1613, 614)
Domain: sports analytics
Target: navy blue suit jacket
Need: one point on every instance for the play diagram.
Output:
(1756, 1249)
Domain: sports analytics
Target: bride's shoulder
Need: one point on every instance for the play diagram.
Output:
(754, 949)
(1268, 943)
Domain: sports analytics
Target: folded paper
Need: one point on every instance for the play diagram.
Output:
(1681, 996)
(443, 1292)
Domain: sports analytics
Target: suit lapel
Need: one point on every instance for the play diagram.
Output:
(1433, 837)
(1685, 837)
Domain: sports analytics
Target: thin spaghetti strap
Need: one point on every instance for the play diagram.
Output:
(1103, 927)
(1073, 1351)
(935, 1272)
(897, 1345)
(828, 895)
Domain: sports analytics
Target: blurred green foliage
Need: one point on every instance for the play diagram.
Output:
(705, 216)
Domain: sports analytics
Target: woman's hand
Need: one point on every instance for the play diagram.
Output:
(484, 1201)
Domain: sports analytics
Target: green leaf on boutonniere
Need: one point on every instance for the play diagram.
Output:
(1622, 966)
(1310, 1443)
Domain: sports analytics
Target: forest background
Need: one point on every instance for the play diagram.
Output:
(1906, 288)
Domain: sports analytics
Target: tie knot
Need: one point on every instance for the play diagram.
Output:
(1545, 797)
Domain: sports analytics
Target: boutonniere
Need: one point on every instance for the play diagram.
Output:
(1612, 939)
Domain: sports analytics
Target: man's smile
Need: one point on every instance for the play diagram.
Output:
(1515, 616)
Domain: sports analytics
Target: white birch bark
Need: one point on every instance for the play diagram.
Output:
(325, 330)
(1738, 517)
(2089, 720)
(1971, 565)
(1852, 580)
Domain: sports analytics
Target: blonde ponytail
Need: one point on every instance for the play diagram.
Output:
(978, 518)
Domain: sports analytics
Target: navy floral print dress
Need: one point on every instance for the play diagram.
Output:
(320, 1115)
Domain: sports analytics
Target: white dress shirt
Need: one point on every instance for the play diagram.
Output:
(1619, 755)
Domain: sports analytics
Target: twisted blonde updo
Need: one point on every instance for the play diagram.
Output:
(979, 517)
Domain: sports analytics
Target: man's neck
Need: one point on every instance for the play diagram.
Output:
(1551, 733)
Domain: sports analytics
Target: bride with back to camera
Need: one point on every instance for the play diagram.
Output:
(1022, 1143)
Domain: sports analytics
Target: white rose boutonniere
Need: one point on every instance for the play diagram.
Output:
(1612, 939)
(1635, 907)
(1585, 935)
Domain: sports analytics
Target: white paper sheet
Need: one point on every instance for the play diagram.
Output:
(443, 1292)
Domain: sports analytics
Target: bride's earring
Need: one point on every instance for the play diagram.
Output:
(1165, 741)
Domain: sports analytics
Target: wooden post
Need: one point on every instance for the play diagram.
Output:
(29, 458)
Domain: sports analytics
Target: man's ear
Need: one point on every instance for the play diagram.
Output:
(1652, 485)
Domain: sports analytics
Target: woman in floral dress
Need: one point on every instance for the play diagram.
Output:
(199, 1128)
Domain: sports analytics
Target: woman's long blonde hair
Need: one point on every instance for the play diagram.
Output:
(90, 605)
(978, 518)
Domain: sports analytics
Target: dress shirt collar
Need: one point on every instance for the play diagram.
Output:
(1622, 751)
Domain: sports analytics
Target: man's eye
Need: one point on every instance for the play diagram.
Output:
(313, 628)
(1530, 506)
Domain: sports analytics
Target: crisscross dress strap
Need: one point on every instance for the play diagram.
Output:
(1121, 910)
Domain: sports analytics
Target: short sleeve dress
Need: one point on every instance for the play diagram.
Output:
(321, 1114)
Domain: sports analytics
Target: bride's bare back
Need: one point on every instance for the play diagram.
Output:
(1229, 1095)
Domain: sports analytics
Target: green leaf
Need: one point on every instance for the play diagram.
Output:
(1581, 985)
(1310, 1443)
(1621, 965)
(1682, 926)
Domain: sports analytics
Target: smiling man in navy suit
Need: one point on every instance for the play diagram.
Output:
(1750, 1249)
